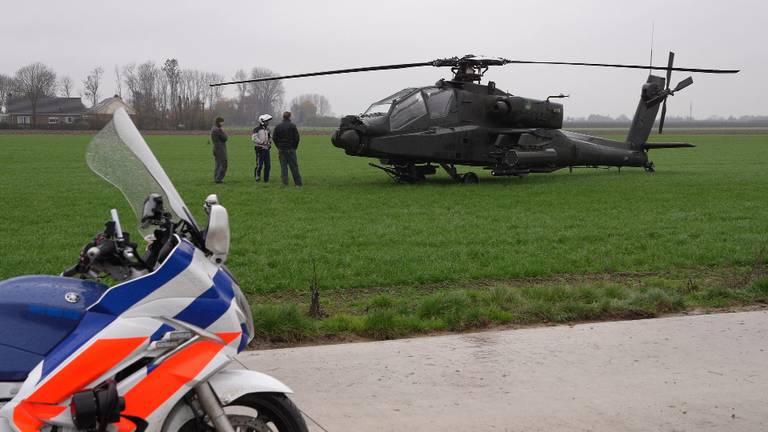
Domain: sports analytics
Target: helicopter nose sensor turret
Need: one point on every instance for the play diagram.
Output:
(348, 139)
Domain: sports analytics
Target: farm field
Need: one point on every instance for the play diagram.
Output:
(393, 260)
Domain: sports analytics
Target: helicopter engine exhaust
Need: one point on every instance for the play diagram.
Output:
(516, 111)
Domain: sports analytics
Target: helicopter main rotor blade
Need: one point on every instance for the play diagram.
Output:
(627, 66)
(331, 72)
(456, 62)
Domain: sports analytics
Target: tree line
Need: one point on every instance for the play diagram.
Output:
(167, 96)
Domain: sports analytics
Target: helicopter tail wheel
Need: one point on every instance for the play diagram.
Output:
(469, 178)
(650, 167)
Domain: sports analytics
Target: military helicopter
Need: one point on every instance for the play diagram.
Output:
(462, 122)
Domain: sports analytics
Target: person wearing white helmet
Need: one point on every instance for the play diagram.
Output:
(262, 141)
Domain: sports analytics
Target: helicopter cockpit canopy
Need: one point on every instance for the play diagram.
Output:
(383, 106)
(411, 104)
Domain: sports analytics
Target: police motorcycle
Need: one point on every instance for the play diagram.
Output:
(149, 353)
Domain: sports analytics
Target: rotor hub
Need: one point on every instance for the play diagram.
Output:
(469, 68)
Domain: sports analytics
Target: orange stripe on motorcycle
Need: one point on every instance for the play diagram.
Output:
(170, 376)
(100, 357)
(28, 416)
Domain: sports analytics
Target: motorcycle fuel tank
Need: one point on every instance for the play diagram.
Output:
(36, 313)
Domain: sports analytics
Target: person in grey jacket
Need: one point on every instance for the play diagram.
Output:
(286, 139)
(219, 141)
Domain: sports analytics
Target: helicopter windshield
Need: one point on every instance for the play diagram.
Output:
(119, 154)
(383, 106)
(379, 108)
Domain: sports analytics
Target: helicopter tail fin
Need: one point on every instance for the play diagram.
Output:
(645, 116)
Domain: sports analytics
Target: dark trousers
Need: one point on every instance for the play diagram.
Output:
(262, 162)
(288, 160)
(220, 156)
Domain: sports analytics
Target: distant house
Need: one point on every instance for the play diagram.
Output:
(52, 112)
(102, 113)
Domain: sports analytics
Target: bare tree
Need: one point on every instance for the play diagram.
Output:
(213, 94)
(66, 86)
(118, 82)
(7, 87)
(35, 81)
(145, 98)
(161, 98)
(242, 92)
(92, 84)
(320, 102)
(266, 96)
(131, 81)
(168, 96)
(173, 75)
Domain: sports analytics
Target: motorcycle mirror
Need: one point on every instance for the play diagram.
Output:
(209, 201)
(217, 234)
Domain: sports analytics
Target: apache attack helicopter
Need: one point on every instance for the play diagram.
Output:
(462, 122)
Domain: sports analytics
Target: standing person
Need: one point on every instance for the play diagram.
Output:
(286, 137)
(262, 141)
(219, 141)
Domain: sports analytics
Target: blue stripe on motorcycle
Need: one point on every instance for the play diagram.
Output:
(211, 305)
(156, 336)
(54, 312)
(243, 337)
(116, 301)
(122, 297)
(91, 324)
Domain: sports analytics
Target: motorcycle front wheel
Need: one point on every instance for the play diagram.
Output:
(257, 412)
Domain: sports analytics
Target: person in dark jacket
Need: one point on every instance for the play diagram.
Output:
(219, 141)
(286, 139)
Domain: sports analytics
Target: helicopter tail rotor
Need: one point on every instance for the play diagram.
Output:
(662, 97)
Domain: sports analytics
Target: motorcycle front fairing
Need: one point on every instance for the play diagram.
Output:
(125, 325)
(156, 336)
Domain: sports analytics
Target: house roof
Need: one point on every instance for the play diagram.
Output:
(109, 105)
(47, 105)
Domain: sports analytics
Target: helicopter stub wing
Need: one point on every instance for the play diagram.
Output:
(660, 145)
(513, 131)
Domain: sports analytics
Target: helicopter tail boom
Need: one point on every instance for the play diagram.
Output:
(645, 115)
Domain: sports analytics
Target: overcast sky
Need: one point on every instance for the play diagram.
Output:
(304, 36)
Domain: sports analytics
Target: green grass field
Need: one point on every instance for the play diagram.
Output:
(703, 211)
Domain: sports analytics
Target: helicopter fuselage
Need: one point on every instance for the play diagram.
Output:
(461, 123)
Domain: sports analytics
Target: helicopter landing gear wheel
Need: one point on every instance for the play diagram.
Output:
(650, 167)
(469, 178)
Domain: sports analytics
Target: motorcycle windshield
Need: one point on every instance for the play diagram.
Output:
(119, 154)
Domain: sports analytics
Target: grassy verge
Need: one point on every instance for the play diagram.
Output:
(399, 312)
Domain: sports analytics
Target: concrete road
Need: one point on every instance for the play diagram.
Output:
(693, 373)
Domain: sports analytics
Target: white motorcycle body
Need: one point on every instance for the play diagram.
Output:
(146, 353)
